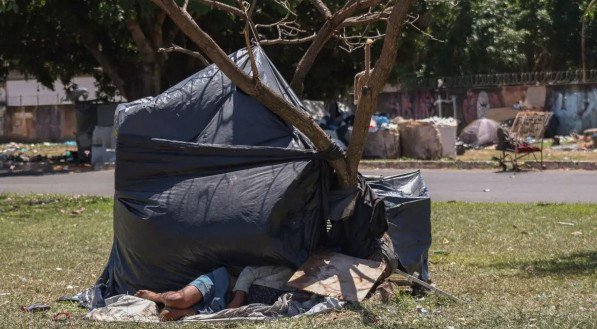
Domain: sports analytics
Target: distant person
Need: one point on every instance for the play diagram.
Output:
(211, 292)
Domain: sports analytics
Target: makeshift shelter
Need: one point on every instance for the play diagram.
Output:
(480, 132)
(206, 176)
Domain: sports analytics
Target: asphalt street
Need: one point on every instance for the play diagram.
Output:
(444, 185)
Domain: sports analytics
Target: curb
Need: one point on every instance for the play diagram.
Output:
(464, 165)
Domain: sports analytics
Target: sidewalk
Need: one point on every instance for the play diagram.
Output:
(466, 165)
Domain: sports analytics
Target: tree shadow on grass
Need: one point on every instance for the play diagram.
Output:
(579, 263)
(367, 317)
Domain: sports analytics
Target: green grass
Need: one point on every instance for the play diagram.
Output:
(516, 264)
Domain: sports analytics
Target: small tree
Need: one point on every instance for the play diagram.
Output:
(352, 13)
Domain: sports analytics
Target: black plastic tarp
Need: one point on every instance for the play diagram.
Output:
(408, 212)
(206, 176)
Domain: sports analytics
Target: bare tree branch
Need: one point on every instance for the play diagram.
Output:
(346, 166)
(246, 32)
(221, 6)
(354, 42)
(280, 41)
(178, 49)
(323, 35)
(367, 18)
(323, 9)
(374, 85)
(274, 102)
(431, 37)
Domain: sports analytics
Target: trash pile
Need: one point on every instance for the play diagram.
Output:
(200, 198)
(392, 138)
(575, 142)
(427, 139)
(45, 157)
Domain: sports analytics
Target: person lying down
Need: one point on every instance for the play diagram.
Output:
(211, 292)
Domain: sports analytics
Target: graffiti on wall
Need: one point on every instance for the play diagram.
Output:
(409, 105)
(574, 106)
(477, 102)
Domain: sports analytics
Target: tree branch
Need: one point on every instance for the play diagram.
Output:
(178, 49)
(323, 9)
(255, 88)
(323, 35)
(246, 33)
(281, 41)
(221, 6)
(374, 85)
(367, 18)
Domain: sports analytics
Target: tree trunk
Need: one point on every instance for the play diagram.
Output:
(370, 91)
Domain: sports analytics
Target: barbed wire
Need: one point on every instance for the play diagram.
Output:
(505, 79)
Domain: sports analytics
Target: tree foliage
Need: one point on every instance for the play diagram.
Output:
(57, 39)
(498, 36)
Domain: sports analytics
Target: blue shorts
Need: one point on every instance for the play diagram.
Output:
(214, 288)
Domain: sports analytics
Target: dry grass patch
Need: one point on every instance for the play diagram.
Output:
(519, 265)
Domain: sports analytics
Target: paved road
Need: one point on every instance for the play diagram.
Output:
(444, 185)
(489, 186)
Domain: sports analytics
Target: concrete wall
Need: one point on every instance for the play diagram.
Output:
(21, 92)
(575, 106)
(30, 112)
(51, 123)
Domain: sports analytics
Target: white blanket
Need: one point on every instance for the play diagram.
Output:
(126, 308)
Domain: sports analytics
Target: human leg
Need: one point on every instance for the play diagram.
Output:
(181, 299)
(173, 314)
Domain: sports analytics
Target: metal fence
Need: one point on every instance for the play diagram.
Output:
(505, 79)
(36, 100)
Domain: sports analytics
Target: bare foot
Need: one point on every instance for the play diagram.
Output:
(172, 314)
(149, 295)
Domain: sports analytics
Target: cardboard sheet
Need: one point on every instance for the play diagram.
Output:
(337, 275)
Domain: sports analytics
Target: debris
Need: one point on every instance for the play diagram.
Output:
(486, 190)
(4, 294)
(576, 233)
(566, 223)
(435, 289)
(480, 132)
(58, 268)
(337, 275)
(422, 310)
(61, 316)
(447, 132)
(441, 252)
(35, 308)
(386, 291)
(383, 143)
(420, 140)
(77, 212)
